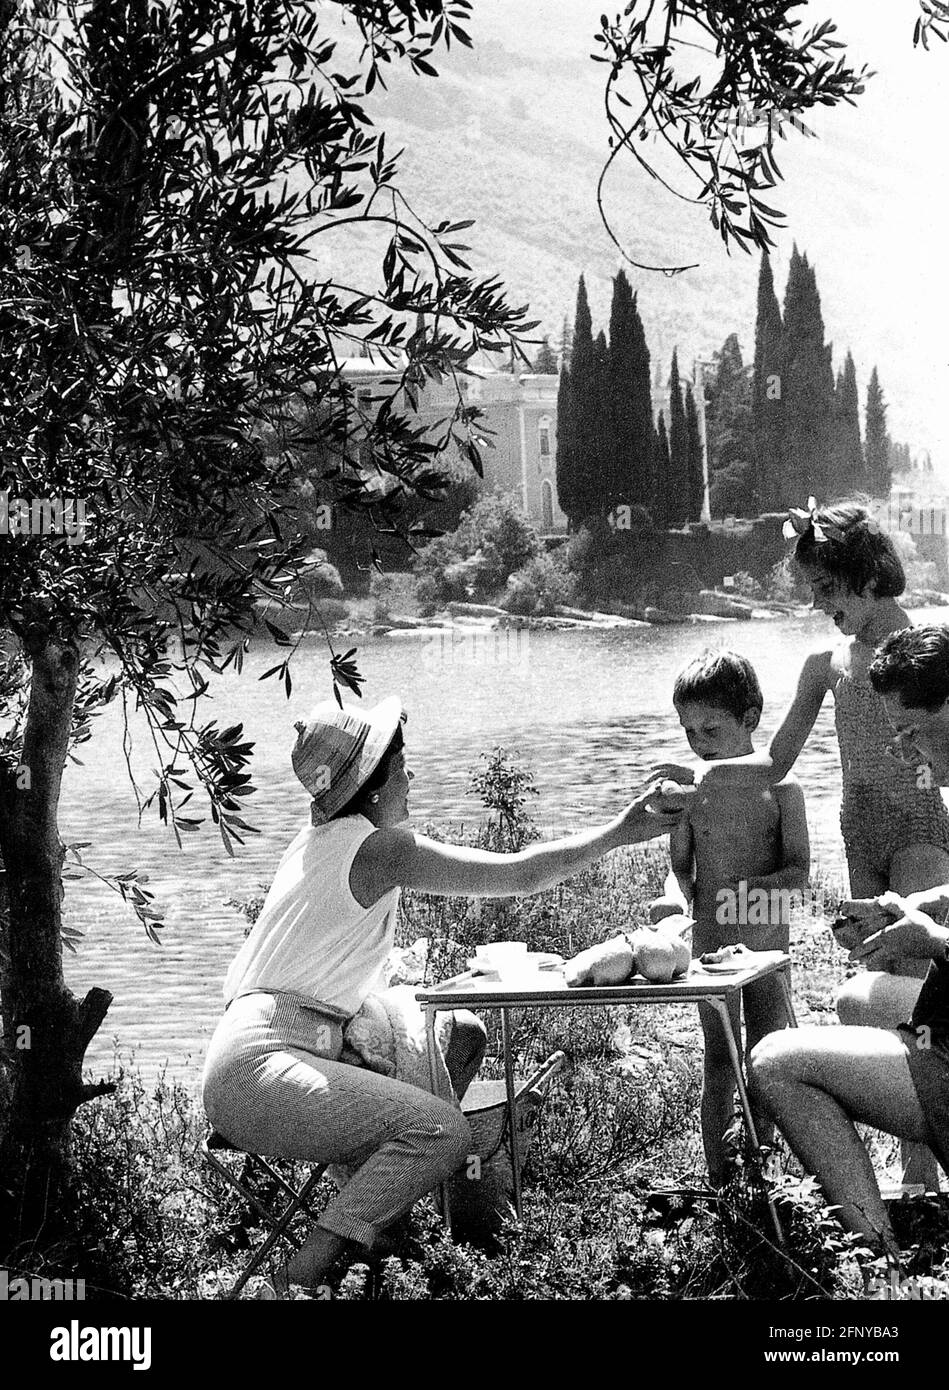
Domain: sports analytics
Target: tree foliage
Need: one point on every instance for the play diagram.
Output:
(173, 179)
(170, 176)
(677, 478)
(766, 388)
(630, 400)
(876, 439)
(848, 461)
(702, 91)
(728, 415)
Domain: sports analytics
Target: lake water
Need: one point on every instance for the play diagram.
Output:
(590, 711)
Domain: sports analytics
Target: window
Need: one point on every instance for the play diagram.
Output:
(547, 503)
(543, 430)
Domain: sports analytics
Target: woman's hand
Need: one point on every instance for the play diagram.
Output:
(914, 936)
(684, 774)
(647, 816)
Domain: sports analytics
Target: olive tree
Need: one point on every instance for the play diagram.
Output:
(171, 333)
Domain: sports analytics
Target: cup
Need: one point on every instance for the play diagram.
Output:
(506, 957)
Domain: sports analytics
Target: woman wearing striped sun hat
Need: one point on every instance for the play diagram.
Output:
(273, 1081)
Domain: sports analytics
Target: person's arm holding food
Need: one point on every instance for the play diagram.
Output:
(912, 936)
(398, 857)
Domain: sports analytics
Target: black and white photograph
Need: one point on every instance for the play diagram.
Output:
(474, 672)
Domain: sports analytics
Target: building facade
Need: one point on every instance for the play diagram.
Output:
(519, 419)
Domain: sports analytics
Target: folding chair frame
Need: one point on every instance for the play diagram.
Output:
(298, 1201)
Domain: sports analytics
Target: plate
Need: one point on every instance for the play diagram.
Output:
(534, 960)
(722, 968)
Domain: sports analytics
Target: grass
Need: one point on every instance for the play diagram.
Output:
(616, 1204)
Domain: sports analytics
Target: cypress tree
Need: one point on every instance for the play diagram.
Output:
(696, 455)
(601, 484)
(767, 396)
(849, 468)
(574, 459)
(566, 342)
(546, 360)
(677, 477)
(728, 420)
(630, 400)
(565, 459)
(808, 390)
(877, 461)
(660, 476)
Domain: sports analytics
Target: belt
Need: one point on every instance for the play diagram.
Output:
(305, 1001)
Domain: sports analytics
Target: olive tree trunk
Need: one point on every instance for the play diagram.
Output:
(46, 1030)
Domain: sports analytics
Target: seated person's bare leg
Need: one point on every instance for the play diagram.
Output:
(874, 999)
(816, 1083)
(718, 1088)
(911, 870)
(765, 1012)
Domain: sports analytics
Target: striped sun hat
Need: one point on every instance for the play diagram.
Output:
(337, 751)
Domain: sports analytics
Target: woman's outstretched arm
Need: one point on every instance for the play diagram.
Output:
(400, 858)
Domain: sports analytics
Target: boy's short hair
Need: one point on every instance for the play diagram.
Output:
(855, 550)
(725, 680)
(914, 664)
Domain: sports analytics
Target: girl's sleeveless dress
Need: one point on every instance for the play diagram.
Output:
(883, 809)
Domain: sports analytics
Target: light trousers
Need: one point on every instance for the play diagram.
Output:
(273, 1086)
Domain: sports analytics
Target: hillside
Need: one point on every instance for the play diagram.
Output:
(513, 134)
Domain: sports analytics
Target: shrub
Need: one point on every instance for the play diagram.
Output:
(319, 580)
(746, 586)
(493, 541)
(785, 583)
(538, 588)
(393, 594)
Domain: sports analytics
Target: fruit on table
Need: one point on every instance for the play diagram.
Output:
(683, 956)
(674, 929)
(608, 963)
(656, 957)
(725, 955)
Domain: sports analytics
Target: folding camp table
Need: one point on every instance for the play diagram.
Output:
(550, 991)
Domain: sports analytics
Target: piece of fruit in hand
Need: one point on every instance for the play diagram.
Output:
(608, 963)
(663, 907)
(869, 913)
(677, 924)
(847, 933)
(860, 918)
(669, 796)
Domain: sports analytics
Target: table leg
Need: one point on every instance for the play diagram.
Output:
(785, 978)
(432, 1048)
(721, 1006)
(511, 1109)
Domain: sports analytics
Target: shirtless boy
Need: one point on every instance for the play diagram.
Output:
(736, 858)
